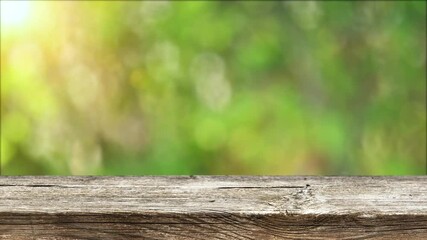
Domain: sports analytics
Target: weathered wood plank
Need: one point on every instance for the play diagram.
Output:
(213, 207)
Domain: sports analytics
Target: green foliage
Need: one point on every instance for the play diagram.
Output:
(214, 87)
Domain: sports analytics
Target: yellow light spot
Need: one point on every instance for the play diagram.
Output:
(14, 13)
(136, 78)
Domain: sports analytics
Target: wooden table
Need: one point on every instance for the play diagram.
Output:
(213, 207)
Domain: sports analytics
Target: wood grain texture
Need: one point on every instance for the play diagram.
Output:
(213, 207)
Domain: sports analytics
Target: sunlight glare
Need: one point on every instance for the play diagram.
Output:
(14, 13)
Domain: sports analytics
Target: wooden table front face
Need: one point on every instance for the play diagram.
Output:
(213, 207)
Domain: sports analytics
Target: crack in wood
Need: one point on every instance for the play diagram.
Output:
(36, 185)
(262, 187)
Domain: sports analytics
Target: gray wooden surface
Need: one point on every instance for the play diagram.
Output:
(213, 207)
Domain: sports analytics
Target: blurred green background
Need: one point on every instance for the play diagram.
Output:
(213, 87)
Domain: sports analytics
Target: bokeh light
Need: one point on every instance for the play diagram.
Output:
(14, 13)
(213, 87)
